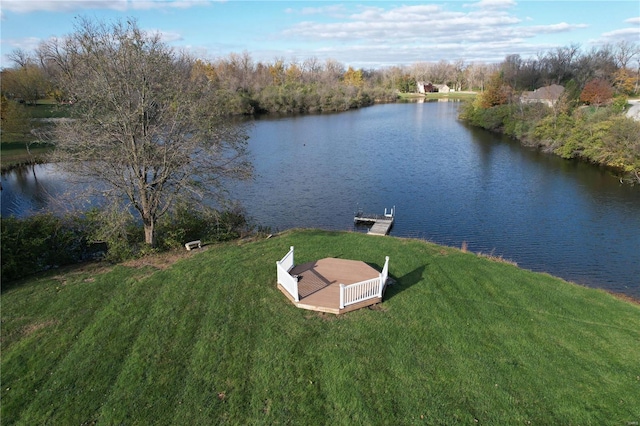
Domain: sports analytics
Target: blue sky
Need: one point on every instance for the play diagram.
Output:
(363, 34)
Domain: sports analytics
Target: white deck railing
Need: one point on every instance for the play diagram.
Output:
(369, 289)
(385, 274)
(285, 279)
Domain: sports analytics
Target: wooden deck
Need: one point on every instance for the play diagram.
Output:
(319, 284)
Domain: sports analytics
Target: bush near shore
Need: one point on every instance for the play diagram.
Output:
(600, 135)
(46, 241)
(209, 339)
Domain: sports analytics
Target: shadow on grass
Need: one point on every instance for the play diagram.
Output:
(403, 282)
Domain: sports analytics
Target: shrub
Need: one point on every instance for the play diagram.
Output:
(188, 224)
(39, 243)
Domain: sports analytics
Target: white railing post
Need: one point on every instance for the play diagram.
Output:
(285, 279)
(384, 275)
(341, 296)
(296, 295)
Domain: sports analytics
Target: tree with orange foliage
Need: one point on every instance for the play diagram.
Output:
(596, 92)
(353, 78)
(496, 93)
(625, 82)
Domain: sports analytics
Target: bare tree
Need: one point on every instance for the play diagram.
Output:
(560, 65)
(332, 72)
(20, 57)
(311, 68)
(440, 72)
(624, 52)
(420, 71)
(145, 127)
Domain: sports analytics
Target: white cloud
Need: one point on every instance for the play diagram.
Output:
(21, 6)
(378, 36)
(631, 34)
(407, 23)
(402, 13)
(167, 36)
(331, 10)
(553, 28)
(492, 4)
(28, 44)
(28, 6)
(635, 20)
(164, 4)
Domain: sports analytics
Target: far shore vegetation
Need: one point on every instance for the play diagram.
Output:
(244, 86)
(205, 337)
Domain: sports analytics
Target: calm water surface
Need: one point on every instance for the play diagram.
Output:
(450, 184)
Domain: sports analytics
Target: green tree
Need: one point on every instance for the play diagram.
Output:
(27, 83)
(145, 126)
(15, 120)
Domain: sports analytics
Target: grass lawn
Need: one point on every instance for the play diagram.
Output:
(13, 151)
(209, 339)
(432, 96)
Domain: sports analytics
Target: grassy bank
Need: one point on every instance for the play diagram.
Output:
(15, 154)
(433, 96)
(210, 340)
(13, 146)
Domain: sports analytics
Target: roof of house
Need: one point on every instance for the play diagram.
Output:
(552, 93)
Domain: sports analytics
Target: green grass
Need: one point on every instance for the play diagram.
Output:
(428, 96)
(14, 154)
(48, 108)
(13, 151)
(210, 340)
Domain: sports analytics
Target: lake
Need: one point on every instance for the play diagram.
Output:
(450, 184)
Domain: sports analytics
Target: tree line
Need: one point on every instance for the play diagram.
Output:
(246, 86)
(587, 119)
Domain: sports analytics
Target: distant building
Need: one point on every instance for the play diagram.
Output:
(547, 95)
(424, 87)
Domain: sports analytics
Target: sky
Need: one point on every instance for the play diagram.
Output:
(362, 34)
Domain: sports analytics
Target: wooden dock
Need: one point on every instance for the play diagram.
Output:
(381, 224)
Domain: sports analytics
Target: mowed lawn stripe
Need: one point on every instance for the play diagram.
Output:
(40, 323)
(81, 380)
(233, 371)
(152, 377)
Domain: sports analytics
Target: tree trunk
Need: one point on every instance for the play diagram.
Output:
(149, 231)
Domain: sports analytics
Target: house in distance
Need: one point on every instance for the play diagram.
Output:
(547, 95)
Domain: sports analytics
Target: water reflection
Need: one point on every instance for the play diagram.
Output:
(31, 189)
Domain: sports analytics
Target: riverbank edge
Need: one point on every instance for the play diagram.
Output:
(629, 177)
(170, 256)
